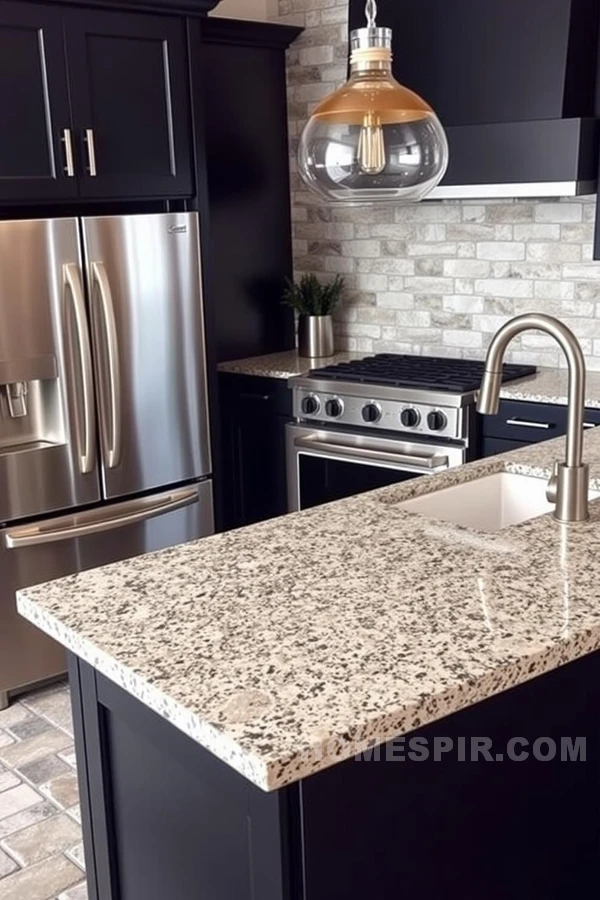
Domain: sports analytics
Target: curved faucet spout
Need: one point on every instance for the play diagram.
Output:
(571, 489)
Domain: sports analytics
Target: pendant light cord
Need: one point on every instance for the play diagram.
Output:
(371, 13)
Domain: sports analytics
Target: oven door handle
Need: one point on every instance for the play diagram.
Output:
(425, 463)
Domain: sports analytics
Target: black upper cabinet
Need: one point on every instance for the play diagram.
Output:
(193, 7)
(129, 96)
(94, 104)
(34, 105)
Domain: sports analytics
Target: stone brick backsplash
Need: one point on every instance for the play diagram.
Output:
(435, 277)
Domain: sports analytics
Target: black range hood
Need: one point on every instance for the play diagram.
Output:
(515, 84)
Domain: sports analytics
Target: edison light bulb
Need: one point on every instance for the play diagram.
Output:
(373, 139)
(371, 146)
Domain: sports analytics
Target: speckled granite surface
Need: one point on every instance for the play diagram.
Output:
(283, 365)
(547, 386)
(550, 386)
(293, 644)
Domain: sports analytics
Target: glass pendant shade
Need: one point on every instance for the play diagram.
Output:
(373, 140)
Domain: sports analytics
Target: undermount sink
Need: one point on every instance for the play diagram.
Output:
(487, 504)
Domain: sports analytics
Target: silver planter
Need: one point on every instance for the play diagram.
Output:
(315, 336)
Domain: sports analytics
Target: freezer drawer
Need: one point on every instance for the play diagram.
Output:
(49, 549)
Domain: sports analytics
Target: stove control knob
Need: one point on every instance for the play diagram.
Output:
(310, 405)
(334, 408)
(371, 412)
(436, 420)
(410, 417)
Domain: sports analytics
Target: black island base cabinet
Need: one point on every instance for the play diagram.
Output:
(163, 818)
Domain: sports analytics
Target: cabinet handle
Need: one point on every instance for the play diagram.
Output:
(91, 149)
(589, 425)
(523, 423)
(69, 164)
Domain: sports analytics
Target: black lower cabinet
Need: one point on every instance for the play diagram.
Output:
(519, 423)
(497, 801)
(254, 412)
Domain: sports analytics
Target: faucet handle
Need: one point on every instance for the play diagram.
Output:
(552, 487)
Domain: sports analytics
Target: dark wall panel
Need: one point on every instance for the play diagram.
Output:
(248, 192)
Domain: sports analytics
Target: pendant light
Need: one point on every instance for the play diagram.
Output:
(372, 140)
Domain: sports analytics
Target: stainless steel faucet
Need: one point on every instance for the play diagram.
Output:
(568, 487)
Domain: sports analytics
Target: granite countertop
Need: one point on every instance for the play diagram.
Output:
(546, 386)
(550, 386)
(284, 365)
(293, 644)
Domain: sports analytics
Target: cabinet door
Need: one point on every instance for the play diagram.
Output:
(130, 98)
(530, 423)
(254, 473)
(34, 105)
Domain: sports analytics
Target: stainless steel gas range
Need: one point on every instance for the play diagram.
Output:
(380, 420)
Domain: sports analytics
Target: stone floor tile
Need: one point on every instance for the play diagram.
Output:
(16, 799)
(41, 854)
(7, 865)
(42, 881)
(79, 892)
(15, 713)
(75, 813)
(77, 856)
(62, 790)
(44, 769)
(55, 704)
(29, 728)
(44, 839)
(27, 817)
(34, 748)
(8, 780)
(68, 756)
(5, 738)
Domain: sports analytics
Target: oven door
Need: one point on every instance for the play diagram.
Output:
(327, 464)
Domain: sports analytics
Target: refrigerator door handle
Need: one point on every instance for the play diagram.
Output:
(70, 528)
(110, 426)
(86, 436)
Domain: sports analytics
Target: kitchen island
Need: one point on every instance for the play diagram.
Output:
(240, 704)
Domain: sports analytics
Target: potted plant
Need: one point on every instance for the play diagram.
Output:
(314, 302)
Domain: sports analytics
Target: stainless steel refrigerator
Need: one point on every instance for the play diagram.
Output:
(104, 434)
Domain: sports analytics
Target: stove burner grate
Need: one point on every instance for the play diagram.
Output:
(424, 372)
